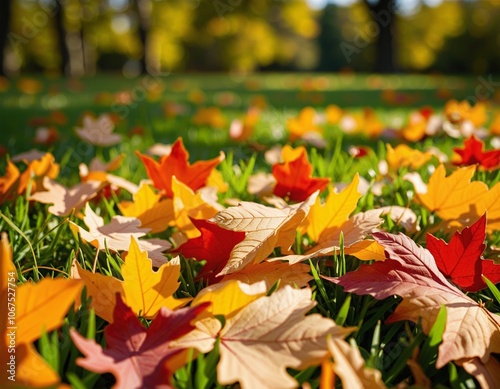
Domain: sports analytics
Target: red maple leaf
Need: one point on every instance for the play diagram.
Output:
(473, 154)
(461, 259)
(177, 164)
(136, 356)
(294, 179)
(214, 246)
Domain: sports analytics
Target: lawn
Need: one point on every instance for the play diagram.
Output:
(263, 230)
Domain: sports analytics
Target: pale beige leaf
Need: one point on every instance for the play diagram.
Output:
(487, 374)
(64, 199)
(270, 335)
(350, 366)
(266, 229)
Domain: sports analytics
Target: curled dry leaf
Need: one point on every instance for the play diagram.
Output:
(265, 228)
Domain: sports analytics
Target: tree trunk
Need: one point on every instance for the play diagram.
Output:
(144, 10)
(5, 10)
(62, 42)
(382, 13)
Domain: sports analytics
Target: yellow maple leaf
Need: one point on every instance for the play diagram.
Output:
(454, 196)
(404, 156)
(142, 289)
(189, 204)
(334, 212)
(149, 209)
(229, 297)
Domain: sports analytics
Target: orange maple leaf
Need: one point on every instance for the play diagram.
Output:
(177, 164)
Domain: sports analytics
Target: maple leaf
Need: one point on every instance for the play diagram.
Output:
(137, 357)
(9, 182)
(143, 289)
(98, 131)
(461, 259)
(214, 246)
(117, 233)
(472, 154)
(350, 366)
(229, 297)
(404, 156)
(452, 197)
(189, 205)
(147, 207)
(177, 164)
(303, 124)
(294, 180)
(272, 334)
(265, 227)
(65, 200)
(411, 272)
(487, 374)
(333, 212)
(40, 308)
(35, 172)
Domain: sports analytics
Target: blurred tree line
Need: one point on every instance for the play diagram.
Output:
(77, 37)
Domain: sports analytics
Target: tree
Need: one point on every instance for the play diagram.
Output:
(5, 11)
(382, 13)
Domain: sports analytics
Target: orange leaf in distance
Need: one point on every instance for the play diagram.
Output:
(36, 171)
(294, 181)
(453, 196)
(304, 123)
(9, 182)
(404, 156)
(177, 164)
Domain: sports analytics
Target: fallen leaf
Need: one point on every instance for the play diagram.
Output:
(189, 205)
(404, 156)
(265, 228)
(98, 131)
(454, 196)
(39, 308)
(272, 334)
(136, 356)
(214, 246)
(472, 154)
(461, 259)
(149, 209)
(411, 272)
(115, 235)
(65, 200)
(177, 164)
(35, 172)
(487, 374)
(294, 180)
(350, 367)
(145, 291)
(333, 212)
(304, 123)
(229, 297)
(9, 183)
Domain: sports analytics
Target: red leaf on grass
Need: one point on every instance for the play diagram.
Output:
(214, 246)
(136, 356)
(177, 164)
(294, 179)
(461, 259)
(411, 272)
(473, 154)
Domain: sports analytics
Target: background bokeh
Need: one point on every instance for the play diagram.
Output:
(84, 37)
